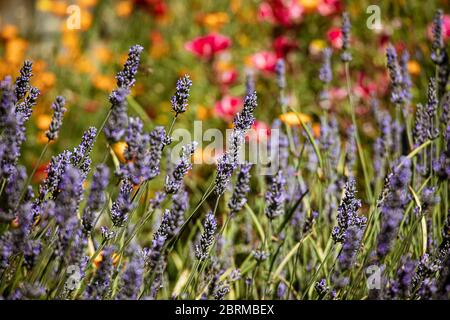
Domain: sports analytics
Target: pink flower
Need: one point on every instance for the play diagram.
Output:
(207, 46)
(364, 89)
(334, 36)
(445, 28)
(282, 12)
(337, 94)
(283, 45)
(259, 131)
(227, 77)
(228, 106)
(329, 7)
(264, 61)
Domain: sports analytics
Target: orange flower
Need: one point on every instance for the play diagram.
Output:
(316, 130)
(309, 5)
(413, 67)
(119, 149)
(215, 21)
(103, 54)
(124, 8)
(87, 3)
(15, 50)
(42, 138)
(292, 118)
(102, 82)
(58, 8)
(43, 121)
(202, 113)
(86, 20)
(9, 32)
(39, 66)
(98, 260)
(45, 81)
(84, 65)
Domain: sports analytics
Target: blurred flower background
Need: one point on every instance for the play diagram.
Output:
(218, 43)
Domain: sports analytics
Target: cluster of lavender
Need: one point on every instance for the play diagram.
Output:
(269, 237)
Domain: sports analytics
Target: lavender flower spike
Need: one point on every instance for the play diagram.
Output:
(239, 197)
(99, 288)
(23, 80)
(58, 112)
(397, 89)
(175, 180)
(80, 156)
(207, 237)
(280, 70)
(325, 73)
(132, 279)
(225, 168)
(438, 50)
(244, 120)
(96, 198)
(179, 100)
(123, 204)
(117, 121)
(125, 78)
(346, 56)
(348, 213)
(275, 196)
(393, 206)
(25, 108)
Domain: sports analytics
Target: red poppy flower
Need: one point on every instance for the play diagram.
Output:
(207, 46)
(329, 7)
(282, 12)
(283, 45)
(227, 107)
(334, 36)
(264, 61)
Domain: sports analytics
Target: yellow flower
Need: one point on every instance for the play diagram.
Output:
(124, 8)
(43, 121)
(413, 67)
(292, 118)
(309, 5)
(119, 149)
(44, 5)
(316, 46)
(9, 32)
